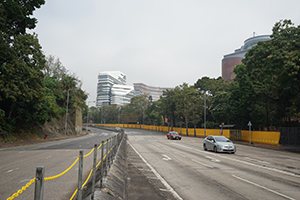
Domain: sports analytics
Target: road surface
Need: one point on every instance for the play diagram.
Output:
(18, 165)
(181, 169)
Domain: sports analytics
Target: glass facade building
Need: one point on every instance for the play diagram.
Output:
(121, 94)
(109, 90)
(155, 92)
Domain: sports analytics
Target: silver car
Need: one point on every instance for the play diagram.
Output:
(218, 144)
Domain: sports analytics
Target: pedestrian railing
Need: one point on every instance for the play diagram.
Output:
(111, 146)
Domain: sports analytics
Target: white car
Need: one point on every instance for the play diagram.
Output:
(218, 144)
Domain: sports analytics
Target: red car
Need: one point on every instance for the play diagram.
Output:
(173, 135)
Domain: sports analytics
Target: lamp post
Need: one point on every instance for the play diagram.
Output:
(67, 111)
(119, 109)
(204, 92)
(205, 114)
(87, 114)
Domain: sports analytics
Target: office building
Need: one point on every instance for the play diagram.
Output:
(233, 59)
(112, 89)
(155, 92)
(121, 94)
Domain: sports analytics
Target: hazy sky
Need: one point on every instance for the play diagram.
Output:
(157, 42)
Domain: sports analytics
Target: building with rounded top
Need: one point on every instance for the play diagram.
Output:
(153, 91)
(233, 59)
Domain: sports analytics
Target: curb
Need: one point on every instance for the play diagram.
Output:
(115, 183)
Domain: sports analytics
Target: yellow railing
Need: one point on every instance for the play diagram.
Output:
(264, 137)
(64, 172)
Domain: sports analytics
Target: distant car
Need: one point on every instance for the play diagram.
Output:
(92, 125)
(173, 135)
(218, 144)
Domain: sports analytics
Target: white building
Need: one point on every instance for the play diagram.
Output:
(121, 94)
(153, 91)
(112, 89)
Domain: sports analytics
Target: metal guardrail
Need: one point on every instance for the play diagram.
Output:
(111, 150)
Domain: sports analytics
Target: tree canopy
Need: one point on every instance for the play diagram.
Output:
(29, 96)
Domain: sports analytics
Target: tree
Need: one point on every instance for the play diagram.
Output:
(275, 66)
(21, 83)
(14, 20)
(185, 101)
(153, 114)
(212, 85)
(54, 68)
(21, 60)
(168, 106)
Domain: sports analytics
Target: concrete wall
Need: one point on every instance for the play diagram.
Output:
(78, 121)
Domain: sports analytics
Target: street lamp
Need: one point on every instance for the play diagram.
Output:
(87, 114)
(204, 92)
(119, 109)
(67, 110)
(205, 114)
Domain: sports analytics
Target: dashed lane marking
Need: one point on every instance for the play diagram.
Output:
(163, 181)
(263, 187)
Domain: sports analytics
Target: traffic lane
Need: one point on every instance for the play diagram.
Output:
(18, 166)
(281, 160)
(96, 136)
(216, 172)
(272, 180)
(180, 174)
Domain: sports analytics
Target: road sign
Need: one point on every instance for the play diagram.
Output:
(249, 124)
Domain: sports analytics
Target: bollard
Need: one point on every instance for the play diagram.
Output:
(94, 171)
(117, 140)
(112, 151)
(106, 158)
(109, 155)
(101, 175)
(39, 183)
(80, 169)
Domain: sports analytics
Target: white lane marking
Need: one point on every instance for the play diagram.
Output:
(247, 181)
(9, 171)
(25, 180)
(167, 158)
(157, 175)
(48, 157)
(264, 162)
(202, 163)
(212, 159)
(244, 162)
(164, 190)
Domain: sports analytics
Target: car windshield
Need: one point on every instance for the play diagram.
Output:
(174, 133)
(222, 139)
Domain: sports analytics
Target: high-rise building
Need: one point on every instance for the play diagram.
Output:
(112, 89)
(154, 92)
(121, 94)
(233, 59)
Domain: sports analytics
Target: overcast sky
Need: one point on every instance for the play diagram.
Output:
(157, 42)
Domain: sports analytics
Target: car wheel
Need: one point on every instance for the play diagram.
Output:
(179, 138)
(204, 147)
(233, 152)
(215, 149)
(168, 137)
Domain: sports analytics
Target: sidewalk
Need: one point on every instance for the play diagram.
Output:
(293, 149)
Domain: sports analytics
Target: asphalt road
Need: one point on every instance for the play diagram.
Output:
(18, 165)
(181, 169)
